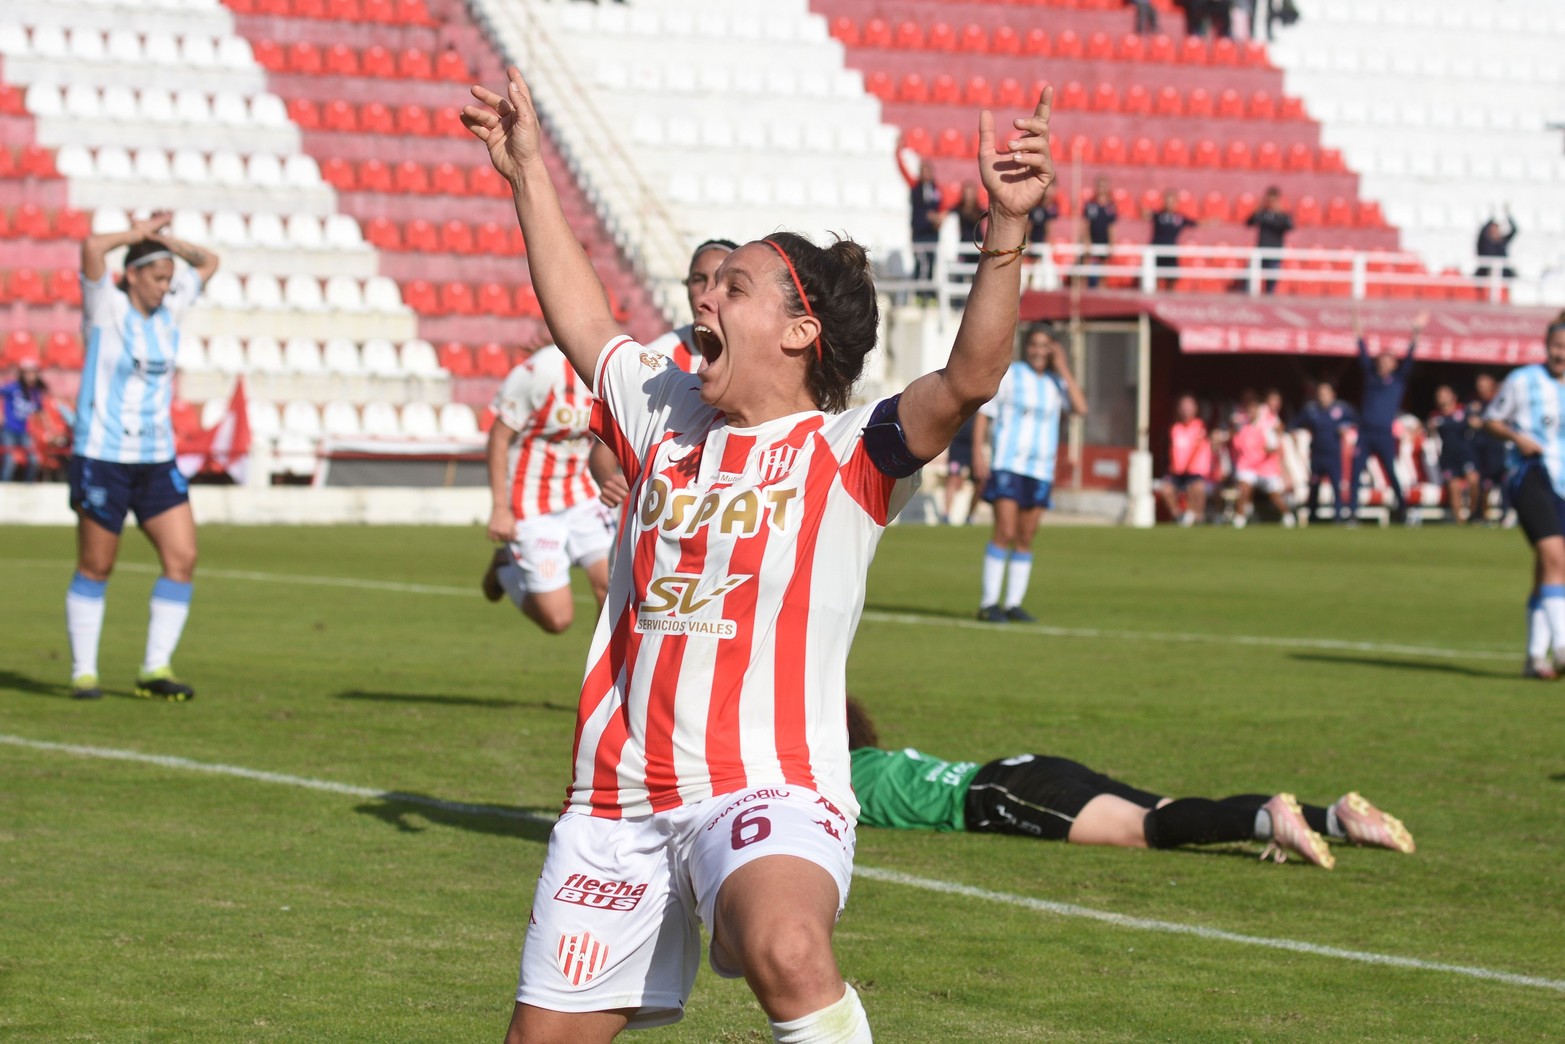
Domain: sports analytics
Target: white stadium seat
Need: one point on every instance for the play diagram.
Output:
(120, 107)
(266, 230)
(114, 164)
(124, 45)
(340, 418)
(191, 107)
(265, 422)
(380, 418)
(303, 293)
(212, 412)
(419, 420)
(343, 232)
(380, 358)
(301, 418)
(156, 105)
(152, 166)
(268, 110)
(190, 168)
(229, 229)
(265, 170)
(343, 294)
(160, 48)
(230, 109)
(342, 357)
(233, 52)
(49, 42)
(263, 291)
(304, 232)
(228, 169)
(43, 99)
(419, 359)
(198, 50)
(457, 420)
(264, 355)
(192, 357)
(381, 294)
(82, 102)
(301, 171)
(295, 453)
(74, 161)
(224, 291)
(189, 225)
(13, 39)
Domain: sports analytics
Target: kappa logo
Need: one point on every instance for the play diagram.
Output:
(580, 957)
(600, 895)
(654, 360)
(778, 461)
(825, 824)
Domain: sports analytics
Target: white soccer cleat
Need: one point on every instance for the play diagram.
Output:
(1289, 520)
(1240, 521)
(1367, 825)
(1290, 833)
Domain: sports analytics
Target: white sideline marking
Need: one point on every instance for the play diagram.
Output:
(914, 619)
(870, 873)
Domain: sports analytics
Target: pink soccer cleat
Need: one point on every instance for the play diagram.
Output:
(1290, 833)
(1367, 825)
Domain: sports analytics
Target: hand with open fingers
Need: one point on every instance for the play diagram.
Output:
(149, 226)
(1017, 178)
(507, 125)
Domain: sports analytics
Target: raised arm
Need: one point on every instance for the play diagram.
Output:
(1078, 401)
(204, 261)
(935, 405)
(95, 249)
(1420, 321)
(569, 290)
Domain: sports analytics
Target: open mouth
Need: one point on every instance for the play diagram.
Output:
(707, 343)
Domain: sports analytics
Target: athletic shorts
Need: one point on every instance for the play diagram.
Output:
(1028, 492)
(1039, 796)
(1539, 510)
(546, 547)
(105, 491)
(1462, 469)
(1264, 483)
(616, 917)
(1183, 480)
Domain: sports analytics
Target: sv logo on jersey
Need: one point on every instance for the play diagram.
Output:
(676, 597)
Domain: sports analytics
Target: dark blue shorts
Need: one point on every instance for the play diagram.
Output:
(1028, 492)
(1183, 480)
(1539, 510)
(104, 491)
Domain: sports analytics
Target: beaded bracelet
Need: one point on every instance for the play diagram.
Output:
(1009, 255)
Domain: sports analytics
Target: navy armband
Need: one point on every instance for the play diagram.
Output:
(886, 443)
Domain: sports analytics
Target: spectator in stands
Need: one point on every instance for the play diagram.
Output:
(1272, 223)
(1257, 452)
(680, 343)
(1039, 217)
(21, 399)
(1494, 243)
(1458, 456)
(1385, 382)
(1146, 16)
(1168, 225)
(1326, 418)
(924, 204)
(1098, 217)
(1189, 463)
(959, 473)
(1489, 450)
(969, 211)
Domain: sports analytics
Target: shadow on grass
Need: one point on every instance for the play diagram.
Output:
(1558, 777)
(11, 681)
(405, 810)
(492, 702)
(1439, 667)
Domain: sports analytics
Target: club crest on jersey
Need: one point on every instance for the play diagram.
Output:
(777, 461)
(673, 600)
(654, 360)
(580, 957)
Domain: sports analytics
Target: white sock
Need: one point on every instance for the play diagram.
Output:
(84, 604)
(1537, 629)
(994, 573)
(1016, 576)
(1554, 609)
(169, 609)
(841, 1023)
(510, 577)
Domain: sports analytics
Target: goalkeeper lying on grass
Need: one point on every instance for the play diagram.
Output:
(1059, 800)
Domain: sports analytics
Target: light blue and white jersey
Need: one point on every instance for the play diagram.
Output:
(127, 389)
(1532, 402)
(1026, 414)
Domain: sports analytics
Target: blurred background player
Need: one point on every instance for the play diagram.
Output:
(19, 401)
(1055, 799)
(679, 343)
(1272, 224)
(1258, 464)
(1168, 225)
(1529, 413)
(1489, 450)
(1016, 437)
(1458, 459)
(1325, 418)
(547, 513)
(959, 474)
(1098, 216)
(1189, 463)
(1495, 244)
(1385, 383)
(123, 451)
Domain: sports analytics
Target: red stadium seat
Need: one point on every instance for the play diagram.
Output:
(1080, 147)
(1005, 41)
(1036, 44)
(845, 30)
(375, 117)
(1067, 44)
(1229, 105)
(880, 84)
(1176, 153)
(1143, 153)
(1151, 202)
(1215, 209)
(518, 241)
(64, 350)
(941, 37)
(877, 33)
(12, 101)
(909, 37)
(492, 360)
(413, 120)
(918, 139)
(1300, 157)
(951, 142)
(27, 286)
(36, 161)
(302, 111)
(1105, 98)
(492, 239)
(1111, 150)
(31, 222)
(1206, 154)
(1224, 52)
(341, 60)
(415, 64)
(1292, 109)
(413, 12)
(1170, 102)
(1245, 205)
(419, 295)
(974, 39)
(978, 92)
(1268, 156)
(1199, 102)
(447, 122)
(495, 299)
(1009, 95)
(1306, 214)
(1132, 48)
(1370, 216)
(7, 164)
(1339, 213)
(72, 224)
(456, 237)
(19, 344)
(269, 55)
(339, 174)
(944, 90)
(1253, 54)
(1073, 96)
(1100, 46)
(1137, 101)
(377, 61)
(1238, 156)
(382, 11)
(483, 181)
(421, 235)
(374, 176)
(449, 180)
(383, 234)
(527, 301)
(1330, 162)
(913, 89)
(451, 68)
(314, 9)
(304, 57)
(64, 286)
(1162, 49)
(456, 360)
(339, 115)
(344, 10)
(1263, 106)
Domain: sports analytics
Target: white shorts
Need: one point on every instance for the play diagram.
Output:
(546, 547)
(1264, 483)
(615, 920)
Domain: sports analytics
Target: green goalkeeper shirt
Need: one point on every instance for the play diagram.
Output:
(909, 790)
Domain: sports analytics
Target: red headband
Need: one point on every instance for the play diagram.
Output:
(805, 301)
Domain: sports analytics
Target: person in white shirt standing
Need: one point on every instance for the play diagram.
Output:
(1015, 443)
(123, 455)
(549, 513)
(710, 766)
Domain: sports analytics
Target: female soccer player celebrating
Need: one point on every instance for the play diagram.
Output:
(1528, 413)
(123, 457)
(711, 771)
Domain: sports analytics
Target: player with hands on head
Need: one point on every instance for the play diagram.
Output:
(1529, 413)
(711, 778)
(122, 456)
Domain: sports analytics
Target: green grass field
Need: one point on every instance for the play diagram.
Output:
(153, 902)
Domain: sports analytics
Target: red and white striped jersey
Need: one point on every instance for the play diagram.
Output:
(720, 656)
(680, 345)
(549, 407)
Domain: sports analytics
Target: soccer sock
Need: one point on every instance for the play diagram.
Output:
(1554, 609)
(1537, 628)
(1321, 820)
(1197, 821)
(1016, 576)
(84, 622)
(841, 1023)
(994, 573)
(169, 609)
(511, 581)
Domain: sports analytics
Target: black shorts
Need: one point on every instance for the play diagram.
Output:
(1039, 796)
(1183, 480)
(1539, 510)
